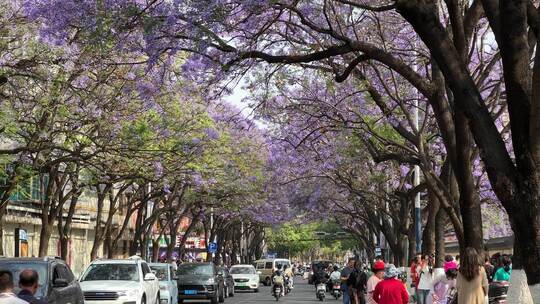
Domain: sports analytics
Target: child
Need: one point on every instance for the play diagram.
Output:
(445, 286)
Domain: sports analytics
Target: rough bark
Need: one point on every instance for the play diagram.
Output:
(440, 252)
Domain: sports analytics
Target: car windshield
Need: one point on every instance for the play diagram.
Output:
(111, 272)
(242, 270)
(161, 272)
(16, 269)
(194, 269)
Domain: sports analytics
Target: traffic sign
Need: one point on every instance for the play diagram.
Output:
(212, 247)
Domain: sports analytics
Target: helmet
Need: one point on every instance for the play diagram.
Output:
(378, 266)
(336, 268)
(279, 266)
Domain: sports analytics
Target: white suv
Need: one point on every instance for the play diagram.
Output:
(119, 282)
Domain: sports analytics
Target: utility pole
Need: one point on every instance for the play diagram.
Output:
(416, 182)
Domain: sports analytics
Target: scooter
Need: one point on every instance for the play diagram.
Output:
(498, 292)
(321, 291)
(277, 291)
(288, 285)
(336, 289)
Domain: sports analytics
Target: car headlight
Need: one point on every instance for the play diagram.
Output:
(133, 293)
(210, 281)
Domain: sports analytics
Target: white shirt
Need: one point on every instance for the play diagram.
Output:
(426, 278)
(10, 298)
(335, 276)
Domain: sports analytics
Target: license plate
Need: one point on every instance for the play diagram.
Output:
(241, 284)
(190, 292)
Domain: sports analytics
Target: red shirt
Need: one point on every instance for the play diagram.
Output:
(391, 291)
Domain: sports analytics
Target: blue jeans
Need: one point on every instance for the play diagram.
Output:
(422, 295)
(346, 297)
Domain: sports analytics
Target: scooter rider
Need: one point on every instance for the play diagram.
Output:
(320, 276)
(335, 276)
(289, 274)
(278, 279)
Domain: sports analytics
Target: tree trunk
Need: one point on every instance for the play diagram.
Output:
(527, 240)
(516, 184)
(44, 237)
(428, 236)
(155, 249)
(2, 214)
(440, 252)
(469, 201)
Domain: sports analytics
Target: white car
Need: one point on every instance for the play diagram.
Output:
(119, 282)
(168, 285)
(245, 277)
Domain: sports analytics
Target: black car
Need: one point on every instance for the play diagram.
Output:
(229, 281)
(200, 281)
(57, 284)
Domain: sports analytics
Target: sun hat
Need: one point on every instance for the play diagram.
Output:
(390, 271)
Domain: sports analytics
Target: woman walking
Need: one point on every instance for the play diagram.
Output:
(472, 282)
(425, 279)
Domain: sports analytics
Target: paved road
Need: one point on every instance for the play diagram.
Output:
(302, 294)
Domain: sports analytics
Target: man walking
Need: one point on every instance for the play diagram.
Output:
(345, 273)
(28, 282)
(6, 289)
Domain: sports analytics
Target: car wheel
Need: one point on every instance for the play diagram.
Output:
(256, 290)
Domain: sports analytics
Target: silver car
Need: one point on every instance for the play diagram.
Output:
(168, 285)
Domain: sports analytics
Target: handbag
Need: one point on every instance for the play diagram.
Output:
(452, 296)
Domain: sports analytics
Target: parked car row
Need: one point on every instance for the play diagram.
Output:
(134, 281)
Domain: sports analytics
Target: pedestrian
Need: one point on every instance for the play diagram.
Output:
(378, 275)
(414, 275)
(472, 283)
(504, 272)
(357, 284)
(28, 282)
(425, 279)
(444, 286)
(488, 267)
(6, 289)
(390, 290)
(345, 273)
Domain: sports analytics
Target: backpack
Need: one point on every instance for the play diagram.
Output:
(361, 280)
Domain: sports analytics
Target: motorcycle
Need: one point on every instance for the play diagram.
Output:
(498, 292)
(336, 289)
(278, 283)
(321, 291)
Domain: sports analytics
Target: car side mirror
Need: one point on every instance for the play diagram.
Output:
(150, 277)
(59, 283)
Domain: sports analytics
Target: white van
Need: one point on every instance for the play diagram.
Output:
(266, 267)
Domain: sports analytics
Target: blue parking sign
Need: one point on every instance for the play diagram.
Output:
(212, 247)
